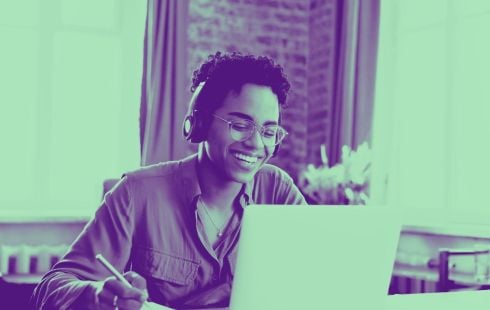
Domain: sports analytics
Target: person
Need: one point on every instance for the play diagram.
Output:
(174, 227)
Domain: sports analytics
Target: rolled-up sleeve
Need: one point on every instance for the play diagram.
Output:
(274, 186)
(288, 192)
(109, 233)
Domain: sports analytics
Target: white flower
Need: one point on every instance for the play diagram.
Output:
(353, 170)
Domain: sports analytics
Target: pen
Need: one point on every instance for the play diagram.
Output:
(116, 273)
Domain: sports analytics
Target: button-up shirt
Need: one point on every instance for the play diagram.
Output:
(151, 223)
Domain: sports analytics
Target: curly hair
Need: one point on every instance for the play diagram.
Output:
(223, 73)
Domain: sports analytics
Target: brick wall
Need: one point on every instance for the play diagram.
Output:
(298, 34)
(322, 23)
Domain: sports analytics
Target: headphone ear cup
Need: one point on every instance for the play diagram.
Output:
(188, 127)
(193, 127)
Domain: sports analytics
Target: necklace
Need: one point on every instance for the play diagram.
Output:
(205, 207)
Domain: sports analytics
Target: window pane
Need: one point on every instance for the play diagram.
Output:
(19, 13)
(90, 13)
(85, 117)
(71, 79)
(471, 117)
(420, 96)
(18, 122)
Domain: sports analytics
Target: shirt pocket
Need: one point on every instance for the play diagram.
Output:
(169, 268)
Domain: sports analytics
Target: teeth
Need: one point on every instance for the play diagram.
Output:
(246, 158)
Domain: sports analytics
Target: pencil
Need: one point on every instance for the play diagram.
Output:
(114, 272)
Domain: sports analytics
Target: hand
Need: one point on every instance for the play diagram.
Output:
(113, 294)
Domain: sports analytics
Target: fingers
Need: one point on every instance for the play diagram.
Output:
(106, 299)
(138, 282)
(108, 302)
(114, 293)
(129, 304)
(135, 280)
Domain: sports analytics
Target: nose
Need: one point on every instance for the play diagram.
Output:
(255, 140)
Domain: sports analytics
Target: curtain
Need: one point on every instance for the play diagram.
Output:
(357, 42)
(164, 94)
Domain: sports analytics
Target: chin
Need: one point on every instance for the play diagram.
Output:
(238, 176)
(242, 177)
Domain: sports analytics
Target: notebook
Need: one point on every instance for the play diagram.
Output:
(315, 257)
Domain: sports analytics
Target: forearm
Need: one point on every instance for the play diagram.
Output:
(108, 233)
(61, 290)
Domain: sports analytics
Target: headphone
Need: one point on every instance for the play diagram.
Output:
(196, 123)
(193, 128)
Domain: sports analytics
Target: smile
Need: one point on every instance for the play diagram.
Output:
(246, 158)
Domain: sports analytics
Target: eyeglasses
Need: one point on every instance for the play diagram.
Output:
(242, 130)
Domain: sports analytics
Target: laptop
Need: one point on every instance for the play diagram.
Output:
(315, 257)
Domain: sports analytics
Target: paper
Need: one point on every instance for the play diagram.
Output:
(154, 306)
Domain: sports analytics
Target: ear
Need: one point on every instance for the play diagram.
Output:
(276, 149)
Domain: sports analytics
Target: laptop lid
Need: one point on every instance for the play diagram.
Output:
(315, 257)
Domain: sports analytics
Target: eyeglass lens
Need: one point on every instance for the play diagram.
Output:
(271, 134)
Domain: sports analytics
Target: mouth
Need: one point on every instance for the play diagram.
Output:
(246, 160)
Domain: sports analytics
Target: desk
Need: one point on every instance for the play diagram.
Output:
(15, 294)
(435, 301)
(447, 301)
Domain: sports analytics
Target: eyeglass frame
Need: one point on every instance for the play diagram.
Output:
(256, 127)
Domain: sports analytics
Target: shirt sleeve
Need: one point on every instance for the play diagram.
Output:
(108, 233)
(288, 192)
(274, 186)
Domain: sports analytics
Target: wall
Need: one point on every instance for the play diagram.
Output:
(299, 35)
(320, 77)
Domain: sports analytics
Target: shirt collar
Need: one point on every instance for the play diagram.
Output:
(189, 180)
(190, 183)
(247, 193)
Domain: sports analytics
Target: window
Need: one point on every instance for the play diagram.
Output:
(432, 109)
(69, 102)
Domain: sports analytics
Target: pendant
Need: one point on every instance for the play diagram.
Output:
(220, 234)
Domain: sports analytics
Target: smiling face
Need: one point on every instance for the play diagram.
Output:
(239, 161)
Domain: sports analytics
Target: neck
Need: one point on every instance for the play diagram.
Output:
(217, 191)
